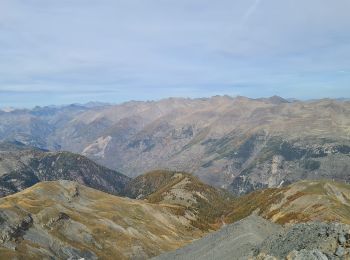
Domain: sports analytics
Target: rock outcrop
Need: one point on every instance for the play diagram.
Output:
(312, 239)
(12, 229)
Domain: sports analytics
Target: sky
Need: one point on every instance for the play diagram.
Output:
(75, 51)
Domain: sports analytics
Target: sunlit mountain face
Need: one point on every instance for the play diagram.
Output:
(175, 129)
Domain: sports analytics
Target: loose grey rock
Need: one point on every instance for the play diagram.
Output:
(342, 239)
(307, 255)
(340, 251)
(248, 239)
(309, 236)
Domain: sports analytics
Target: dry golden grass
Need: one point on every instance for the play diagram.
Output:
(300, 202)
(204, 202)
(115, 226)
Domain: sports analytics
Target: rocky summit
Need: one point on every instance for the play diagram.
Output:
(240, 144)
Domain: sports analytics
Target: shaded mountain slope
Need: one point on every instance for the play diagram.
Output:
(205, 204)
(22, 166)
(64, 220)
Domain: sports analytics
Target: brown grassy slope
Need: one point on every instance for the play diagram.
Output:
(205, 204)
(299, 202)
(68, 217)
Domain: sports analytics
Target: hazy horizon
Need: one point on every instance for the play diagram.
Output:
(99, 102)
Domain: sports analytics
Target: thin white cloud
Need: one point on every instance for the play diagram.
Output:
(251, 10)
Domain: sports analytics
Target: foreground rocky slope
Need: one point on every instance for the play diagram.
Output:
(312, 240)
(257, 238)
(22, 166)
(237, 143)
(65, 220)
(234, 241)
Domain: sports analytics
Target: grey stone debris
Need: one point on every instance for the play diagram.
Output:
(342, 239)
(304, 241)
(340, 251)
(307, 255)
(234, 241)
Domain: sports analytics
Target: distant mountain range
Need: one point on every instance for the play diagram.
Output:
(239, 144)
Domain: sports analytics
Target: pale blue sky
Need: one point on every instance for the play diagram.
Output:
(67, 51)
